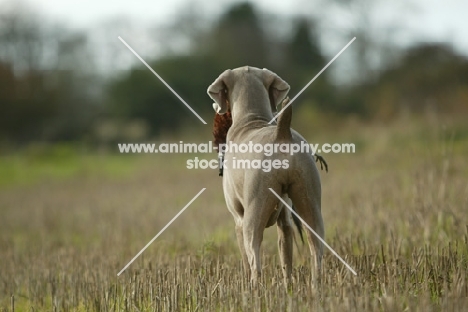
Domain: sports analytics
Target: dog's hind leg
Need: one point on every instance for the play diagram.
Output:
(258, 209)
(306, 199)
(253, 236)
(285, 243)
(261, 210)
(240, 242)
(237, 211)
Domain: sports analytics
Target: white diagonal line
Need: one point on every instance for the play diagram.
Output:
(316, 76)
(162, 80)
(160, 232)
(318, 236)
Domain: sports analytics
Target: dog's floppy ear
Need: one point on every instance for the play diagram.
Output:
(277, 88)
(218, 92)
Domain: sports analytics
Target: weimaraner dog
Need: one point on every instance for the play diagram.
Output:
(253, 95)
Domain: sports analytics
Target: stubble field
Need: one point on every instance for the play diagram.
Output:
(396, 211)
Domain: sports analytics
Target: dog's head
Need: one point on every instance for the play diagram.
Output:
(232, 84)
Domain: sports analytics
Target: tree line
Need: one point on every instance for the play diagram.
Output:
(49, 90)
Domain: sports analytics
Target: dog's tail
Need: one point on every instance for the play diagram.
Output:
(297, 223)
(283, 133)
(283, 128)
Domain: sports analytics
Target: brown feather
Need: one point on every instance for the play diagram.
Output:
(221, 125)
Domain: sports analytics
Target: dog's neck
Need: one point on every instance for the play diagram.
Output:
(251, 109)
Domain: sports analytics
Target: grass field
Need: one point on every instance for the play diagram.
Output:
(396, 210)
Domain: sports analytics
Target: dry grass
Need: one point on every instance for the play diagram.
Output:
(395, 210)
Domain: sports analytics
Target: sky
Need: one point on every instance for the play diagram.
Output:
(431, 18)
(417, 20)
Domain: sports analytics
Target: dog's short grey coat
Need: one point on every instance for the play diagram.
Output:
(253, 95)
